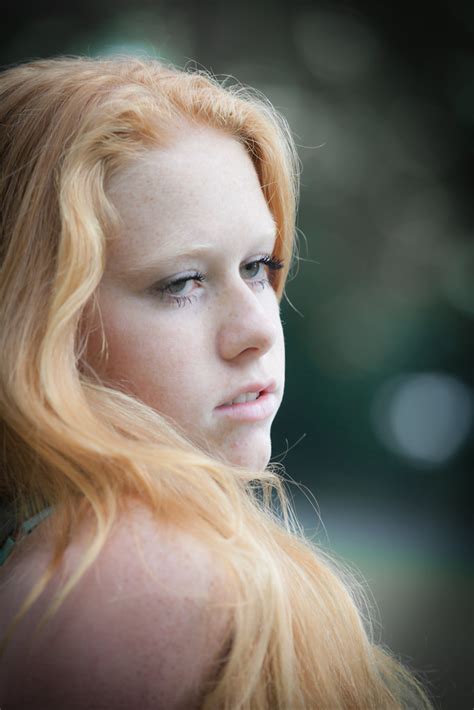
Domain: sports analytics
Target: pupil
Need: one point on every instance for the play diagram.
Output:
(177, 287)
(253, 268)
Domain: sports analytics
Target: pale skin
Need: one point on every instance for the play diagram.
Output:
(136, 632)
(185, 357)
(122, 640)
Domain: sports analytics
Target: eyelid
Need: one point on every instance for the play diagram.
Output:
(273, 262)
(176, 279)
(267, 268)
(270, 260)
(163, 288)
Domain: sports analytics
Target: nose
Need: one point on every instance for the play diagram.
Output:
(250, 322)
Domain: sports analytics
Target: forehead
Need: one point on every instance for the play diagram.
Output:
(203, 187)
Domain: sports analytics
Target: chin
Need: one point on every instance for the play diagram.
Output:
(253, 456)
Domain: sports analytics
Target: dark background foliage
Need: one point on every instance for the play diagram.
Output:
(377, 420)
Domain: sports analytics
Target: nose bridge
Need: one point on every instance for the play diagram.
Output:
(247, 323)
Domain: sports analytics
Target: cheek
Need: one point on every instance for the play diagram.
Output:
(154, 359)
(149, 366)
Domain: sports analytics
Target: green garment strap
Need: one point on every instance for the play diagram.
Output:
(24, 529)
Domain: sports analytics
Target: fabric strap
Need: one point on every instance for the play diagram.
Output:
(14, 536)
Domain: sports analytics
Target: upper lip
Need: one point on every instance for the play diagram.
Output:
(260, 387)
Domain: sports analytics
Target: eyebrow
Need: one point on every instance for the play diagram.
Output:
(171, 259)
(151, 264)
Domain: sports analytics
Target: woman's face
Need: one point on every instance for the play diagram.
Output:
(190, 316)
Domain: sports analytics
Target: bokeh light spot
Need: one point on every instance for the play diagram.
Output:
(336, 46)
(425, 417)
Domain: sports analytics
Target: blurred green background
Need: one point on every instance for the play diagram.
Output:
(378, 417)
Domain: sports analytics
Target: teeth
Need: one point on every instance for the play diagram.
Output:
(247, 397)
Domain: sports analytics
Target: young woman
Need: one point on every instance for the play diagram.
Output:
(146, 232)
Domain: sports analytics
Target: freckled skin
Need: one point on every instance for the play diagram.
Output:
(184, 359)
(148, 624)
(137, 632)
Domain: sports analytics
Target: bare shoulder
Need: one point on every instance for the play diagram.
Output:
(145, 627)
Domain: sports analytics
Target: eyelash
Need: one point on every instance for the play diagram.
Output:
(272, 263)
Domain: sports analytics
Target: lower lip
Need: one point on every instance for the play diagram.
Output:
(254, 411)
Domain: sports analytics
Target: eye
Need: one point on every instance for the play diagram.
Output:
(179, 291)
(261, 271)
(253, 269)
(182, 287)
